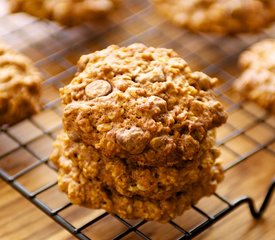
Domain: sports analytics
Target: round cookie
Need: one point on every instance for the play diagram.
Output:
(151, 110)
(19, 86)
(94, 194)
(226, 17)
(139, 133)
(66, 12)
(157, 183)
(257, 82)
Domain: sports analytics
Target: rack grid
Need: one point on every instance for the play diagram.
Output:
(25, 147)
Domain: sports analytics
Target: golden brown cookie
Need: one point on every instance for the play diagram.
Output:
(95, 194)
(222, 16)
(139, 133)
(257, 82)
(151, 109)
(66, 12)
(19, 86)
(157, 183)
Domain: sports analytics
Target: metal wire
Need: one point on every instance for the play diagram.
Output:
(136, 22)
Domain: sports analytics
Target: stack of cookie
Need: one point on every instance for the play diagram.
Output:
(139, 133)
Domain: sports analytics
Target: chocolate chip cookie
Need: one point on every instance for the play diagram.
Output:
(139, 133)
(148, 107)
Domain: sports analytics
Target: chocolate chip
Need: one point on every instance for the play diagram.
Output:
(98, 88)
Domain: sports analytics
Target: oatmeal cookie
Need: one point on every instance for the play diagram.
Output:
(151, 182)
(257, 82)
(139, 133)
(142, 104)
(230, 16)
(66, 12)
(19, 86)
(95, 194)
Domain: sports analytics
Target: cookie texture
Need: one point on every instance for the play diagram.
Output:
(94, 193)
(19, 86)
(226, 17)
(158, 183)
(66, 12)
(257, 81)
(139, 133)
(157, 113)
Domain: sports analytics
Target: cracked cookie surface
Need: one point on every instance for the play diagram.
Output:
(66, 12)
(257, 81)
(222, 16)
(155, 112)
(19, 86)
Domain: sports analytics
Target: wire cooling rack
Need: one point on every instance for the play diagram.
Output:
(247, 139)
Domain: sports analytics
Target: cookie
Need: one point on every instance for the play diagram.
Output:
(139, 133)
(257, 81)
(19, 86)
(226, 17)
(151, 109)
(94, 193)
(157, 183)
(66, 12)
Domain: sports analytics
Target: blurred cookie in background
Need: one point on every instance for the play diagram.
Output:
(257, 81)
(19, 86)
(65, 12)
(226, 17)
